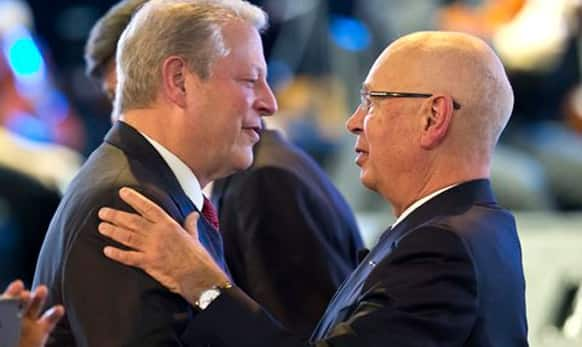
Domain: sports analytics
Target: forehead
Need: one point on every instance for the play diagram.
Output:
(400, 69)
(384, 72)
(244, 45)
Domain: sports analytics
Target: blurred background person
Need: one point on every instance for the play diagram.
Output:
(26, 208)
(35, 122)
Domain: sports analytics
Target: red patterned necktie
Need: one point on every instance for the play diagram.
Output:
(209, 212)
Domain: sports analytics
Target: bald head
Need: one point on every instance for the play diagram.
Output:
(461, 66)
(417, 139)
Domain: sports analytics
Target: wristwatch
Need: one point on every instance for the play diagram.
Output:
(209, 295)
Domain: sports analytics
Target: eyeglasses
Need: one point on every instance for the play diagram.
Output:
(365, 96)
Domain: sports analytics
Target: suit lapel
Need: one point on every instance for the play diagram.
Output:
(452, 201)
(136, 147)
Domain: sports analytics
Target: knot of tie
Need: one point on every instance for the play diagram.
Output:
(209, 212)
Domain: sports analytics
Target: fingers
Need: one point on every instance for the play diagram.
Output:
(126, 237)
(190, 224)
(51, 317)
(124, 219)
(14, 289)
(130, 258)
(142, 205)
(37, 302)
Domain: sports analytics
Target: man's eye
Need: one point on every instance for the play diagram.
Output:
(251, 81)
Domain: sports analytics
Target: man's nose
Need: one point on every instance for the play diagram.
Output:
(354, 123)
(267, 104)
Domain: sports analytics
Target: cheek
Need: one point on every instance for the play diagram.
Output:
(387, 146)
(377, 136)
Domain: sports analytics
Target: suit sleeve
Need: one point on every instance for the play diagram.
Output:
(285, 260)
(109, 304)
(423, 294)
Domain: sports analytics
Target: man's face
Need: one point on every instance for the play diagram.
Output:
(385, 130)
(234, 98)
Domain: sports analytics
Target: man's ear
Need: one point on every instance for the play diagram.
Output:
(174, 72)
(437, 121)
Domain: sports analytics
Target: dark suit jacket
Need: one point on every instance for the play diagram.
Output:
(449, 275)
(109, 304)
(26, 208)
(290, 238)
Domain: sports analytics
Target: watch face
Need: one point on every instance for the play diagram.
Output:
(207, 297)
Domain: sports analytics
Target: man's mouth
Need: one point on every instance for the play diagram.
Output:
(361, 156)
(254, 132)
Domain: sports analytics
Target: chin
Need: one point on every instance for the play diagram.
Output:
(243, 160)
(367, 181)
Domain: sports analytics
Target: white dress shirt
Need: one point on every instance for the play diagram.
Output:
(186, 178)
(419, 203)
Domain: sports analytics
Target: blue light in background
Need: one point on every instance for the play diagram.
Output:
(24, 56)
(30, 127)
(349, 33)
(54, 107)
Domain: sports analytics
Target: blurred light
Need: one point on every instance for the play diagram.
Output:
(51, 107)
(280, 74)
(54, 107)
(14, 13)
(349, 33)
(24, 56)
(30, 127)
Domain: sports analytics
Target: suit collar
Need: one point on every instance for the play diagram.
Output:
(131, 142)
(415, 205)
(452, 201)
(186, 178)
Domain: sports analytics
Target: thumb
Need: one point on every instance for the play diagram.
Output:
(190, 224)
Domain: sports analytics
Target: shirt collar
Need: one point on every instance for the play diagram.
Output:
(419, 203)
(186, 178)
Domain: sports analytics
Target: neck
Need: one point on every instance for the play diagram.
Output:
(161, 127)
(435, 180)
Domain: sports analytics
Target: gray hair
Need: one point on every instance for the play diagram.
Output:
(102, 42)
(190, 29)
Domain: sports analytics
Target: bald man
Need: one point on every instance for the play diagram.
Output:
(448, 272)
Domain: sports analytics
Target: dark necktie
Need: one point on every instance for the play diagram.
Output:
(209, 212)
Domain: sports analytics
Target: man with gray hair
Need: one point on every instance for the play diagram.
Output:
(283, 205)
(191, 93)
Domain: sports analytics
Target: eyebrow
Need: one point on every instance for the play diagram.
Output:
(262, 71)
